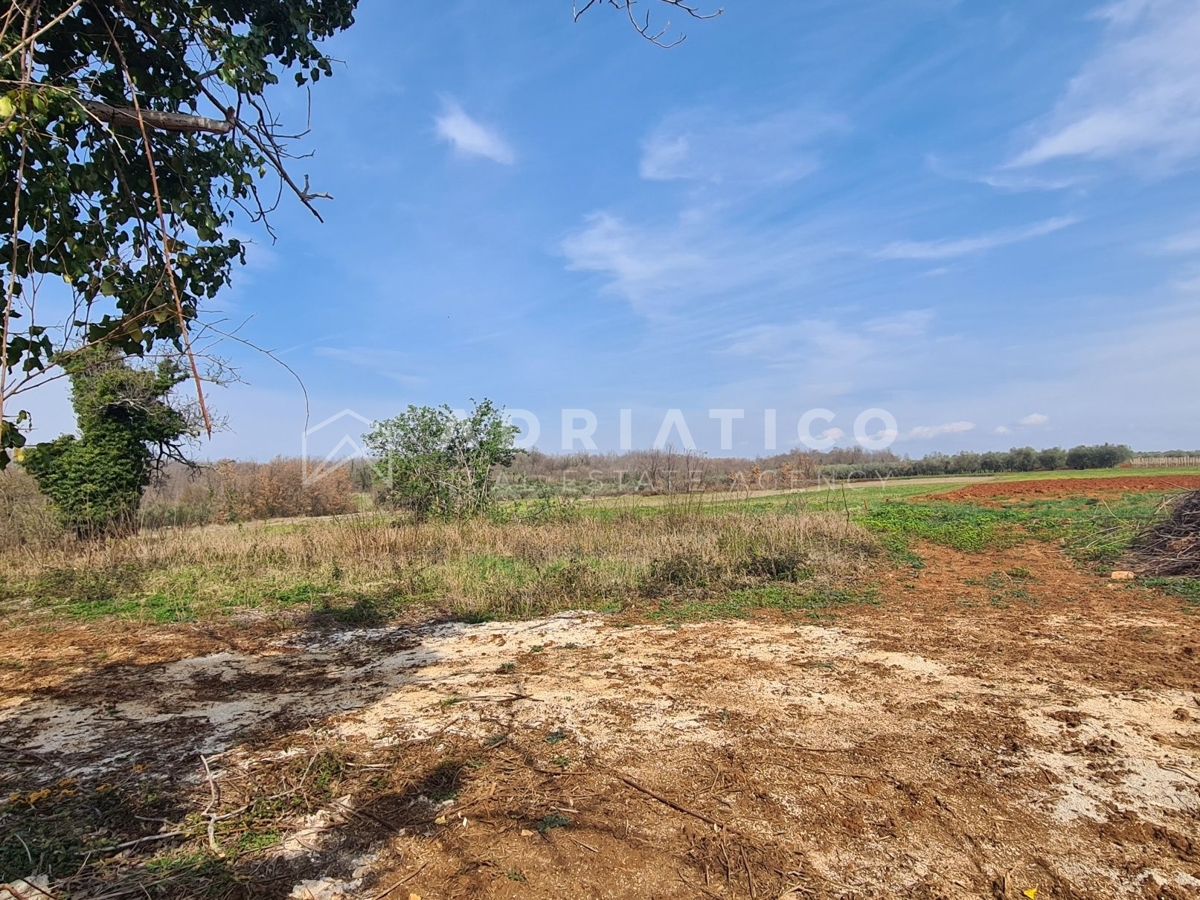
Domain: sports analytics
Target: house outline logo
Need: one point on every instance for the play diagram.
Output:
(335, 459)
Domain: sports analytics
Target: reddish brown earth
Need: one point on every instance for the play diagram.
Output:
(1075, 487)
(1002, 721)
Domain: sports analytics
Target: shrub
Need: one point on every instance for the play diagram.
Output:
(438, 464)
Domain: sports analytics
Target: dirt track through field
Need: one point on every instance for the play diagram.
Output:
(977, 735)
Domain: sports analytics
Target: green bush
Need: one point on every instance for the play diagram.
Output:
(439, 465)
(126, 427)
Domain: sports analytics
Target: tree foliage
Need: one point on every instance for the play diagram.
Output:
(1101, 456)
(127, 427)
(439, 464)
(131, 134)
(129, 211)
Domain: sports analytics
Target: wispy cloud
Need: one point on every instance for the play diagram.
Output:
(913, 323)
(1138, 97)
(703, 145)
(644, 265)
(694, 257)
(1015, 182)
(1033, 419)
(471, 137)
(1184, 244)
(833, 358)
(928, 432)
(391, 364)
(954, 247)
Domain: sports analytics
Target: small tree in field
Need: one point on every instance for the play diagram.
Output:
(127, 428)
(437, 464)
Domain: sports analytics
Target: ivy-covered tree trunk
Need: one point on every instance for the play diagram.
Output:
(127, 426)
(131, 133)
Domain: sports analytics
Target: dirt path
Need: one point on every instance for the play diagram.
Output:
(978, 735)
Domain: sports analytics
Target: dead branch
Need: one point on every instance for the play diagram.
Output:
(642, 25)
(164, 121)
(671, 803)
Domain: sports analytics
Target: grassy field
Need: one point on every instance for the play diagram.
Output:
(675, 560)
(488, 721)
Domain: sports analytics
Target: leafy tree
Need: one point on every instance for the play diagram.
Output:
(438, 464)
(1100, 456)
(131, 131)
(1022, 459)
(1052, 458)
(127, 426)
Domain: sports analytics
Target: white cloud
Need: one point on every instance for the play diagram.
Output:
(644, 264)
(830, 359)
(1001, 429)
(927, 432)
(702, 145)
(1139, 96)
(390, 364)
(1019, 183)
(1005, 181)
(694, 258)
(1181, 244)
(470, 137)
(1188, 284)
(955, 247)
(818, 342)
(831, 434)
(913, 323)
(1033, 419)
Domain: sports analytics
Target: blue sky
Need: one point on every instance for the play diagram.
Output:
(983, 217)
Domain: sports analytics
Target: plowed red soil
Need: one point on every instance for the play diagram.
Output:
(1076, 487)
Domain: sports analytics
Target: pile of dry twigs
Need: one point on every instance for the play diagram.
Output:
(1172, 547)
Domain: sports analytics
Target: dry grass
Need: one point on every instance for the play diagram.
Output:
(366, 568)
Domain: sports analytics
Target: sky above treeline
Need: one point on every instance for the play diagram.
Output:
(981, 217)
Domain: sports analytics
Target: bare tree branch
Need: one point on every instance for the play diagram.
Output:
(642, 24)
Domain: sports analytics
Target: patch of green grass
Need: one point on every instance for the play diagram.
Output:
(305, 592)
(1091, 530)
(556, 736)
(263, 840)
(958, 525)
(1186, 589)
(551, 821)
(741, 604)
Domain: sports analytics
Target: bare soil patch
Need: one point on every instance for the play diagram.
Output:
(1051, 488)
(1002, 721)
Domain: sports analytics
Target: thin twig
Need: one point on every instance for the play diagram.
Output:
(212, 816)
(671, 803)
(404, 880)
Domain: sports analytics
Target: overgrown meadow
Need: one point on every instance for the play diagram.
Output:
(666, 559)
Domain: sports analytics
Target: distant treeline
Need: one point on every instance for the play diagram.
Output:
(1018, 459)
(231, 491)
(672, 471)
